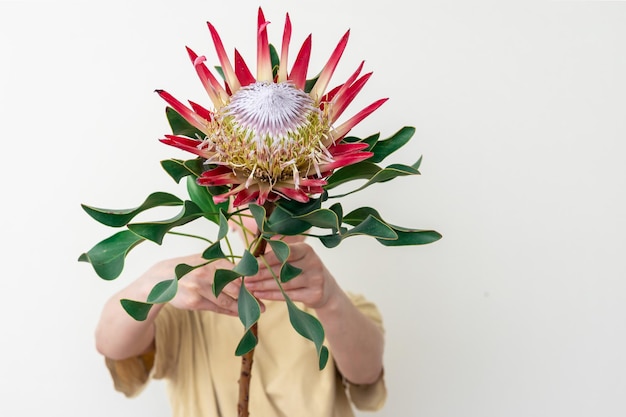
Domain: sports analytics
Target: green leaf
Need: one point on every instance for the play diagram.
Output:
(323, 357)
(107, 257)
(180, 126)
(386, 174)
(118, 218)
(259, 214)
(220, 71)
(183, 269)
(413, 237)
(248, 265)
(136, 309)
(374, 227)
(195, 166)
(283, 219)
(322, 218)
(310, 328)
(284, 223)
(247, 343)
(331, 241)
(280, 249)
(357, 216)
(214, 252)
(221, 278)
(202, 197)
(370, 140)
(370, 226)
(297, 208)
(310, 83)
(176, 168)
(338, 211)
(405, 237)
(360, 171)
(163, 292)
(275, 60)
(248, 307)
(155, 231)
(289, 272)
(223, 225)
(384, 148)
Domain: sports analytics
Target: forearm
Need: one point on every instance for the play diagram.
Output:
(118, 335)
(356, 342)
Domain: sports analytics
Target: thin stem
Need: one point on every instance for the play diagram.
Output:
(230, 249)
(276, 277)
(189, 235)
(247, 359)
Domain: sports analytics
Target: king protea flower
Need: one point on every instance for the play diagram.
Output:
(267, 137)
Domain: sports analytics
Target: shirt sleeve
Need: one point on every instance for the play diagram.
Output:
(370, 397)
(130, 376)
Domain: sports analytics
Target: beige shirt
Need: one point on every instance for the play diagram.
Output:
(195, 354)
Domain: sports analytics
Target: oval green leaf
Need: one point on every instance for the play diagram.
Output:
(119, 218)
(107, 257)
(248, 307)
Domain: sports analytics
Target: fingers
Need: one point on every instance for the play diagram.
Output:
(311, 297)
(195, 292)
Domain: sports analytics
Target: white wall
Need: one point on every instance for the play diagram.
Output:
(519, 110)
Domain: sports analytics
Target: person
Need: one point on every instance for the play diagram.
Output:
(190, 342)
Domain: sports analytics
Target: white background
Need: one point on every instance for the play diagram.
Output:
(519, 311)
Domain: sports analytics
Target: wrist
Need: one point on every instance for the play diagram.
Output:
(334, 303)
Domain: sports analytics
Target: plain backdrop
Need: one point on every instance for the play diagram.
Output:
(519, 110)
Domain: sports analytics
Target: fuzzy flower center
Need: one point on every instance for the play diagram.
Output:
(271, 132)
(268, 109)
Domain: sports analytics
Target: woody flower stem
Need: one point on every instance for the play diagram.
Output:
(247, 358)
(244, 378)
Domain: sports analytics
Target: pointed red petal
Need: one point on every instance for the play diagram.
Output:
(216, 92)
(350, 80)
(183, 110)
(345, 127)
(339, 149)
(227, 68)
(284, 52)
(322, 82)
(218, 170)
(293, 194)
(330, 95)
(343, 98)
(201, 111)
(338, 91)
(301, 66)
(264, 62)
(224, 197)
(186, 144)
(221, 175)
(312, 182)
(344, 160)
(264, 192)
(246, 195)
(243, 72)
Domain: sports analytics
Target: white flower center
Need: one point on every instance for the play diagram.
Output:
(270, 132)
(269, 109)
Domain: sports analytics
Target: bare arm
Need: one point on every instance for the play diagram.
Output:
(356, 342)
(119, 336)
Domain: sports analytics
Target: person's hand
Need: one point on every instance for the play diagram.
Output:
(195, 288)
(313, 287)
